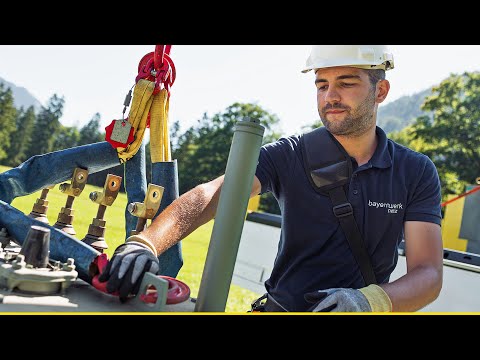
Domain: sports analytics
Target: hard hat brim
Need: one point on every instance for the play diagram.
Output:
(366, 67)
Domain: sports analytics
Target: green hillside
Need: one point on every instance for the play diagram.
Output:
(401, 112)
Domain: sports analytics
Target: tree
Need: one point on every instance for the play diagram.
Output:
(90, 134)
(67, 137)
(203, 150)
(21, 137)
(402, 112)
(8, 115)
(46, 127)
(451, 137)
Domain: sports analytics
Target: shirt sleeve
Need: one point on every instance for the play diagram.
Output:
(273, 161)
(425, 202)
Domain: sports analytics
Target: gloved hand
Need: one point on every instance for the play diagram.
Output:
(367, 299)
(129, 263)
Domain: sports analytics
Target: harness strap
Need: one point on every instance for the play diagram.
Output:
(326, 162)
(344, 213)
(266, 303)
(329, 168)
(141, 103)
(145, 102)
(159, 136)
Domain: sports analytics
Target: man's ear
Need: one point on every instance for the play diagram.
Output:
(383, 87)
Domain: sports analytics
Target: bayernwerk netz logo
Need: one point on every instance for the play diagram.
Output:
(392, 208)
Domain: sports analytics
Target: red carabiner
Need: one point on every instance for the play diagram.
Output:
(158, 66)
(158, 57)
(166, 76)
(145, 68)
(163, 68)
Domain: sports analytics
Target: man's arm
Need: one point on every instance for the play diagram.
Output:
(423, 281)
(419, 287)
(184, 215)
(139, 254)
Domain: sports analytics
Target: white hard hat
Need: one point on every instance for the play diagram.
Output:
(360, 56)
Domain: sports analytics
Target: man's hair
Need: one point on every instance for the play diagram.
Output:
(375, 75)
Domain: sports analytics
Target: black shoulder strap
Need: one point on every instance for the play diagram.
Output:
(328, 169)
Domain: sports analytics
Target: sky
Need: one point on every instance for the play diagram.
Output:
(96, 78)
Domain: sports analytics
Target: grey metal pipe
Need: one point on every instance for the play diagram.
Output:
(62, 245)
(230, 217)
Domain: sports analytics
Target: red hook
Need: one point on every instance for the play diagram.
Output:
(158, 66)
(177, 291)
(101, 262)
(158, 58)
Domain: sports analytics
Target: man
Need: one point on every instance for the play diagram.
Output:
(394, 193)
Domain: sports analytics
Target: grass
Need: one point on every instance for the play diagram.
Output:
(194, 247)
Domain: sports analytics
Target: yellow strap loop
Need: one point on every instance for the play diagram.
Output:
(159, 138)
(143, 103)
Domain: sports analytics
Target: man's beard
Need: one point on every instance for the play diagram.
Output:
(356, 122)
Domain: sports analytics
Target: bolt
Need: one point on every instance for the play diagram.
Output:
(93, 196)
(19, 262)
(63, 187)
(69, 266)
(132, 207)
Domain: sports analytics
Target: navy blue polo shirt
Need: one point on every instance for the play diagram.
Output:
(396, 185)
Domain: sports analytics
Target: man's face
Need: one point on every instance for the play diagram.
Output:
(346, 100)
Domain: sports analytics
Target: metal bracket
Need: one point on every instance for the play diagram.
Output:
(148, 209)
(161, 286)
(110, 191)
(96, 230)
(74, 189)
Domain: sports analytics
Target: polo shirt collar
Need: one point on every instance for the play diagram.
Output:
(381, 157)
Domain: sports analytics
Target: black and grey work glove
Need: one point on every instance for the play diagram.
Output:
(124, 272)
(367, 299)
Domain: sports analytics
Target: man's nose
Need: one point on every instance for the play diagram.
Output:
(332, 96)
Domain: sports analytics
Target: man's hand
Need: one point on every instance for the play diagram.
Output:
(367, 299)
(125, 271)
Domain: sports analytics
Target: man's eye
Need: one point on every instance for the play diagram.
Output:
(322, 87)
